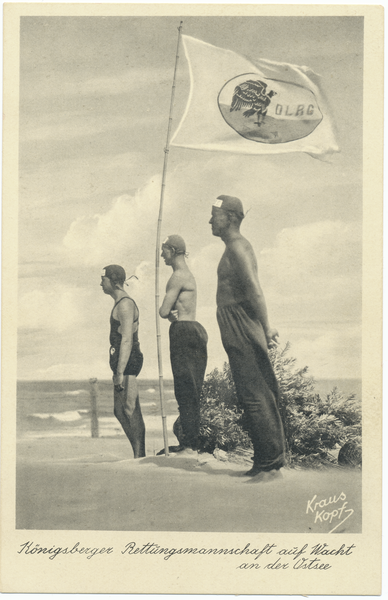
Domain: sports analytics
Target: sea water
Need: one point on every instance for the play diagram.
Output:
(62, 408)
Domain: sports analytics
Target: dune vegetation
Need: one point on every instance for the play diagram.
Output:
(316, 427)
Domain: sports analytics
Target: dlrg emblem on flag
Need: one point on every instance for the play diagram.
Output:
(294, 114)
(252, 107)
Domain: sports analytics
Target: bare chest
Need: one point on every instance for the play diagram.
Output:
(225, 269)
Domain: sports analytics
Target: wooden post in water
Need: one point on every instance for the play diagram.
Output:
(93, 406)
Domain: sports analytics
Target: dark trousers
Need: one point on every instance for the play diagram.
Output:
(188, 354)
(256, 386)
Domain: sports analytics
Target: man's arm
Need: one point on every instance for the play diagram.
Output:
(125, 314)
(173, 289)
(244, 265)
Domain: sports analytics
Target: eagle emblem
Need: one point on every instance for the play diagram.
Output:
(253, 95)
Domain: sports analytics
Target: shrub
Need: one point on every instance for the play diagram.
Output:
(313, 426)
(221, 417)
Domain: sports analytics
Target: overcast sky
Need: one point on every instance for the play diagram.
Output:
(94, 102)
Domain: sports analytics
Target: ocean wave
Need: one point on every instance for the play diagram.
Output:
(76, 392)
(67, 416)
(152, 404)
(109, 427)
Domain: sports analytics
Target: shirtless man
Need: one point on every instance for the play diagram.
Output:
(125, 357)
(188, 341)
(246, 335)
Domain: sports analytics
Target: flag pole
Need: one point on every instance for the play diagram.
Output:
(157, 254)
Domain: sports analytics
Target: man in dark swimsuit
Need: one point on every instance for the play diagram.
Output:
(246, 334)
(188, 341)
(125, 358)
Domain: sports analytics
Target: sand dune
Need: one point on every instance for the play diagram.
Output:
(95, 484)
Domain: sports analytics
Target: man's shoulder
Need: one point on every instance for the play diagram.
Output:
(123, 305)
(125, 308)
(187, 277)
(239, 245)
(178, 277)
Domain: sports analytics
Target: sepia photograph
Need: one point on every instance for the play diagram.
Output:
(190, 199)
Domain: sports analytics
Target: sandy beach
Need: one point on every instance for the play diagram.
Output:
(83, 483)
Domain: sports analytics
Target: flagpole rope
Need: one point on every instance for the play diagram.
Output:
(157, 254)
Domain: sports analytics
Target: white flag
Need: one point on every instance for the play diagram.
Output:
(252, 106)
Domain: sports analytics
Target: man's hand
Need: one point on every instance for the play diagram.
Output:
(272, 336)
(173, 316)
(118, 379)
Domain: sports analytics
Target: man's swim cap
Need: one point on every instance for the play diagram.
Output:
(230, 203)
(115, 273)
(176, 242)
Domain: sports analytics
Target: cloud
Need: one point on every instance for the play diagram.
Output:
(204, 266)
(68, 125)
(122, 82)
(107, 237)
(314, 272)
(330, 353)
(62, 126)
(74, 84)
(63, 327)
(74, 371)
(61, 182)
(312, 283)
(316, 248)
(56, 308)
